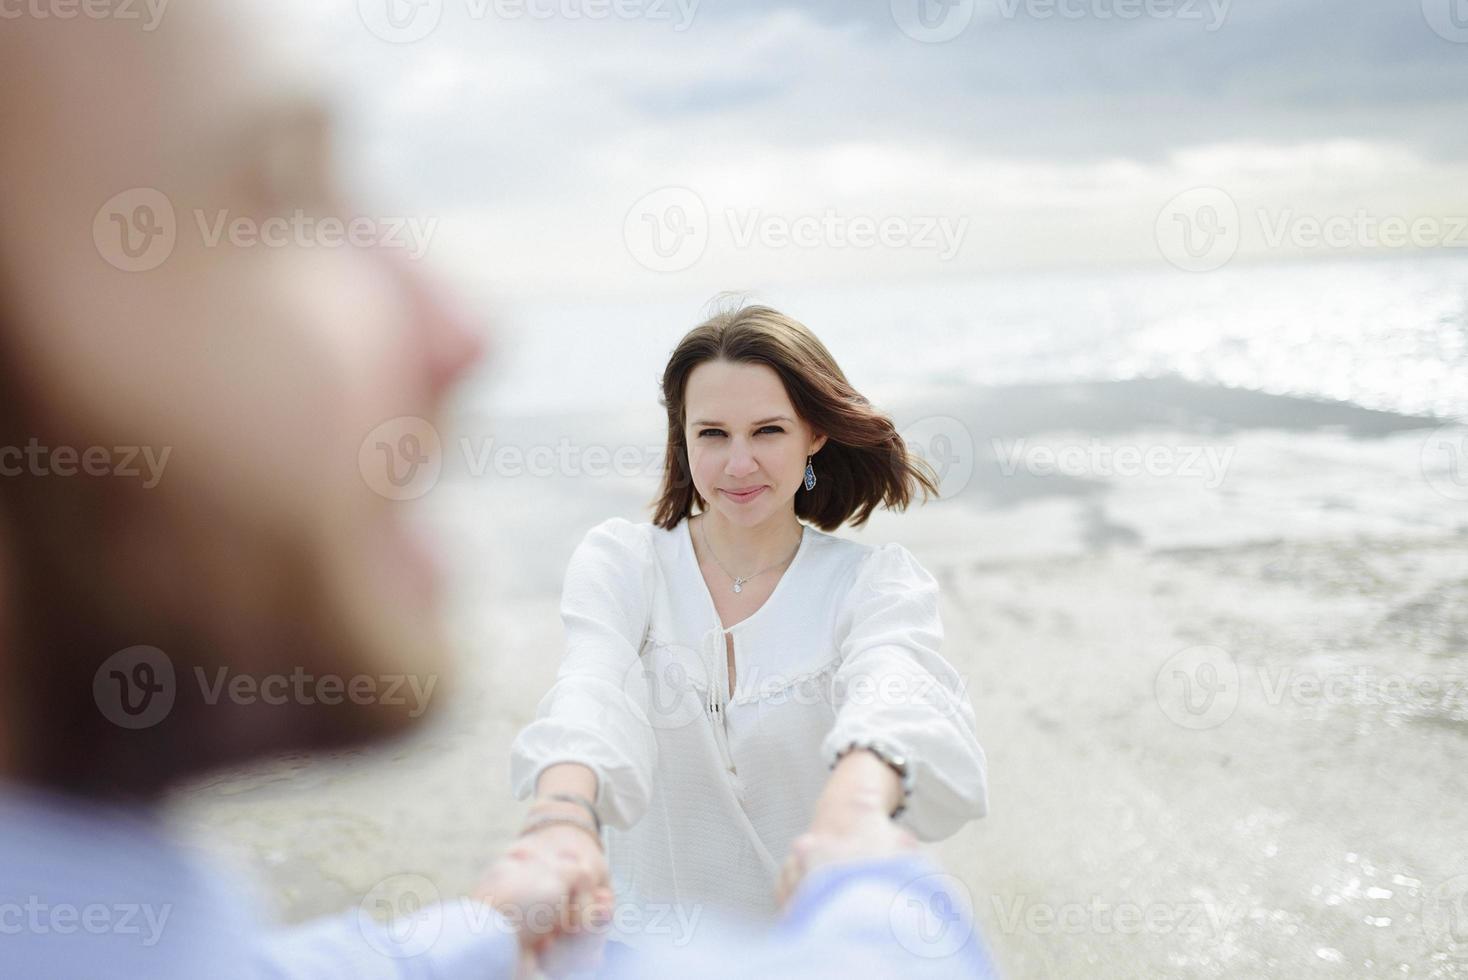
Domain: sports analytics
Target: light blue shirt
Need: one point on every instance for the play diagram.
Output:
(98, 892)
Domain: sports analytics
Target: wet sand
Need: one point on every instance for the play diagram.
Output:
(1225, 703)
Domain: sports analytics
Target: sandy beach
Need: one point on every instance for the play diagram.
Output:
(1217, 643)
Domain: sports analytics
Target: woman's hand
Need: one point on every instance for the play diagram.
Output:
(552, 884)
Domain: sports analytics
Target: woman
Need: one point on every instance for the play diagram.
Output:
(735, 676)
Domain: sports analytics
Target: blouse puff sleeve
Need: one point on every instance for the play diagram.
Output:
(893, 686)
(592, 714)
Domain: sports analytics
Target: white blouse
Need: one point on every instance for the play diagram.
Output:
(702, 792)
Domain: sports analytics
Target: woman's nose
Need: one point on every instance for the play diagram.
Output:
(740, 461)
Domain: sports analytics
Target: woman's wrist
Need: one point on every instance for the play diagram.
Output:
(559, 802)
(568, 777)
(838, 813)
(538, 820)
(861, 781)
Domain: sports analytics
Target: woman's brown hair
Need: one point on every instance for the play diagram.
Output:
(864, 462)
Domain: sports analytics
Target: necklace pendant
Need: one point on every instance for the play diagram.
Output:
(739, 585)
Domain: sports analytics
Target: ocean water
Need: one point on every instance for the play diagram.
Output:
(1388, 334)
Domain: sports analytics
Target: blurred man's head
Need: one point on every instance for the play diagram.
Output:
(255, 544)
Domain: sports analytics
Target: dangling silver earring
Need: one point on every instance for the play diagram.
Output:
(810, 474)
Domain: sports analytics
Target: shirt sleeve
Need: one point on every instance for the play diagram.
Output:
(443, 941)
(596, 711)
(896, 916)
(894, 686)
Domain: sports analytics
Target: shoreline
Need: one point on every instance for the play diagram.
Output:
(1307, 832)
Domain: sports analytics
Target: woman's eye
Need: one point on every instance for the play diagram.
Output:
(768, 428)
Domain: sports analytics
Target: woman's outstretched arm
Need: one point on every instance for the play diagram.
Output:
(591, 734)
(894, 689)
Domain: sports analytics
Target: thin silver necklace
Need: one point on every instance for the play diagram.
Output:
(739, 580)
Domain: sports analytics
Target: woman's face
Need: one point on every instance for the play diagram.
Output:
(743, 433)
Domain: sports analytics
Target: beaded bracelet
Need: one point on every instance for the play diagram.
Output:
(895, 761)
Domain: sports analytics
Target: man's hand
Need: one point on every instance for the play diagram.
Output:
(847, 832)
(552, 884)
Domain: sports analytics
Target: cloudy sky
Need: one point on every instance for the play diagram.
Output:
(670, 147)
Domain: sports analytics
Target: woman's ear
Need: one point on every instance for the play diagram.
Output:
(816, 447)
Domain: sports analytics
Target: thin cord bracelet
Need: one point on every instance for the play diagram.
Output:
(580, 800)
(536, 822)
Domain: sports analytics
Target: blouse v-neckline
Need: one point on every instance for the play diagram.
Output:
(800, 549)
